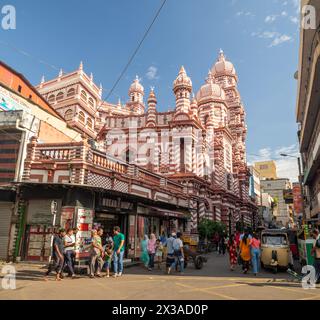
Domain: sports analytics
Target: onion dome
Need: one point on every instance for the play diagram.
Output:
(223, 67)
(182, 81)
(136, 86)
(210, 91)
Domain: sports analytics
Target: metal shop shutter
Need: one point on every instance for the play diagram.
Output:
(5, 218)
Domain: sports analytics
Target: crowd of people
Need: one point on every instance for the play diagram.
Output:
(154, 250)
(103, 257)
(243, 248)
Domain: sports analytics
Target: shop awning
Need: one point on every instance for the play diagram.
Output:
(169, 213)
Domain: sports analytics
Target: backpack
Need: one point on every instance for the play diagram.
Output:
(176, 245)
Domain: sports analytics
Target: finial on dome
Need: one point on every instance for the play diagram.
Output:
(42, 79)
(119, 103)
(210, 77)
(221, 55)
(137, 78)
(182, 70)
(81, 66)
(60, 73)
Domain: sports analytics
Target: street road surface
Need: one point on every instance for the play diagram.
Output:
(215, 281)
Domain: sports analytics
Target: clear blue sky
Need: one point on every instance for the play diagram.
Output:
(260, 37)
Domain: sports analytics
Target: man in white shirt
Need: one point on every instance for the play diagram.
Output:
(170, 252)
(69, 251)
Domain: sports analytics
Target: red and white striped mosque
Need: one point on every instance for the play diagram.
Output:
(200, 144)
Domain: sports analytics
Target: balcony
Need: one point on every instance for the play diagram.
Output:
(79, 164)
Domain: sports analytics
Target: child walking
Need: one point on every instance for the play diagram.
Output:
(159, 253)
(107, 257)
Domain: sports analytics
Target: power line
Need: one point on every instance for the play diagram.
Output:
(135, 51)
(27, 54)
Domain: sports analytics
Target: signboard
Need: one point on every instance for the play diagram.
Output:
(117, 204)
(297, 199)
(39, 212)
(288, 196)
(11, 102)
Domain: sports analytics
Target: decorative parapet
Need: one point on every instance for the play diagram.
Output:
(79, 163)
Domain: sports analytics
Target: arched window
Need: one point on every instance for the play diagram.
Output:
(81, 117)
(60, 96)
(89, 123)
(68, 115)
(91, 102)
(206, 118)
(83, 95)
(71, 92)
(51, 98)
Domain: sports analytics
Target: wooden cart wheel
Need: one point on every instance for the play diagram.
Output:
(198, 263)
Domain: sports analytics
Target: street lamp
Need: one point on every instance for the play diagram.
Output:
(300, 182)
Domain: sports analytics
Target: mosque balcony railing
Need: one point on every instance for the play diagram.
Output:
(80, 163)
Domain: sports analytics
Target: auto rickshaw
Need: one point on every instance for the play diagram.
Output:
(275, 250)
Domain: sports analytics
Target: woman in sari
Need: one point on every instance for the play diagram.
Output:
(232, 248)
(245, 252)
(144, 257)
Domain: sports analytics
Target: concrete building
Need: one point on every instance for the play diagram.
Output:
(275, 188)
(266, 169)
(307, 109)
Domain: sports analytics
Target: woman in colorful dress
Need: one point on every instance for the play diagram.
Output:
(232, 248)
(245, 252)
(144, 256)
(152, 250)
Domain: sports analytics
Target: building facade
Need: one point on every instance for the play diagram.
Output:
(255, 186)
(199, 145)
(24, 114)
(307, 112)
(267, 207)
(266, 169)
(45, 160)
(275, 188)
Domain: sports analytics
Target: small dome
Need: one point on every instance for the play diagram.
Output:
(210, 90)
(223, 67)
(194, 103)
(136, 86)
(182, 79)
(152, 97)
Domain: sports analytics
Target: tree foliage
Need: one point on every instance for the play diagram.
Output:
(207, 228)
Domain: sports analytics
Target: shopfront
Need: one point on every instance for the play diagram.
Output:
(113, 211)
(38, 229)
(147, 220)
